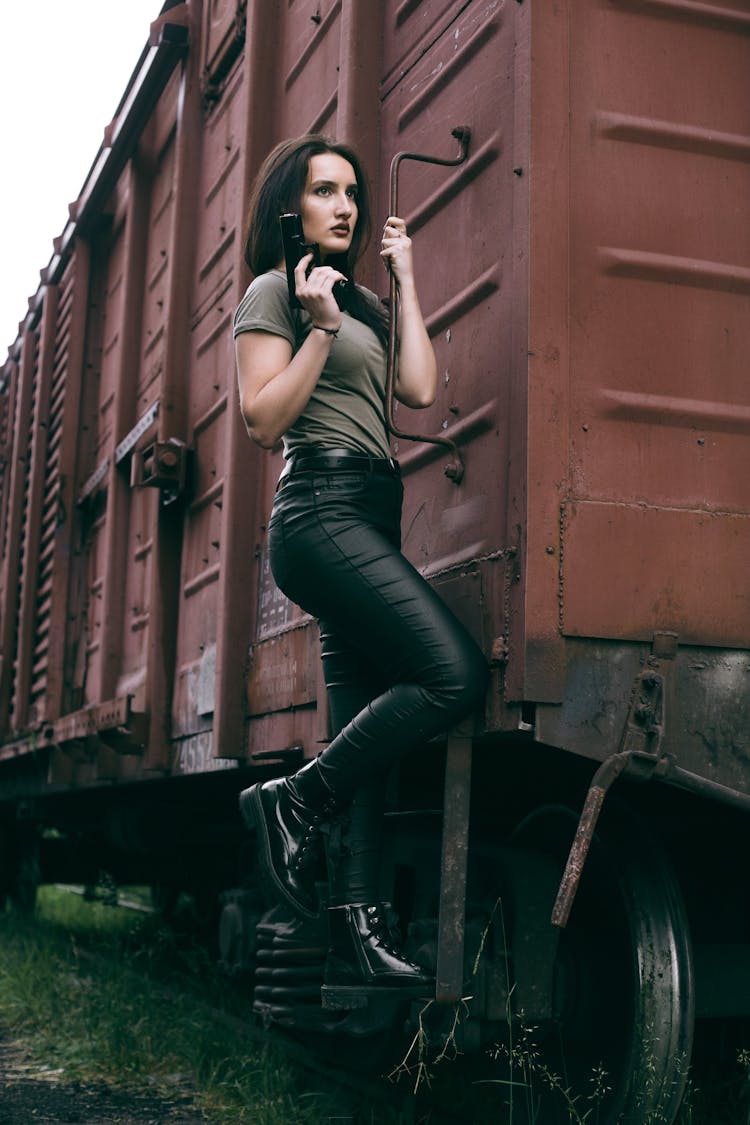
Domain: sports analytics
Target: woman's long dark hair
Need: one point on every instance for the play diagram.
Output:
(278, 188)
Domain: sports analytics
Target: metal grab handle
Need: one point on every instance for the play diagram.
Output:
(455, 469)
(606, 774)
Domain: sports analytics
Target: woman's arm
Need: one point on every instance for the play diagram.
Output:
(275, 386)
(416, 379)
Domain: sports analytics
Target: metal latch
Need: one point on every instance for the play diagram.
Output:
(644, 730)
(163, 465)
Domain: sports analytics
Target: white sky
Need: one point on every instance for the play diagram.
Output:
(63, 69)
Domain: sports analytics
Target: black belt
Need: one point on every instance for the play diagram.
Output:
(324, 460)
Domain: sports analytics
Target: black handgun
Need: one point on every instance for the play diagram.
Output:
(295, 248)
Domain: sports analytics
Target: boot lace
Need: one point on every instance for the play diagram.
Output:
(383, 934)
(309, 849)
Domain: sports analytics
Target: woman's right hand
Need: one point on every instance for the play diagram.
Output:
(275, 383)
(315, 292)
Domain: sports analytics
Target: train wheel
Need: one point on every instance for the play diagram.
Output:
(618, 1045)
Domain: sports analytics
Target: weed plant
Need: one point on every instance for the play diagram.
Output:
(107, 994)
(99, 993)
(526, 1090)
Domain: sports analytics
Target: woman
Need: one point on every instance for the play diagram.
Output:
(399, 667)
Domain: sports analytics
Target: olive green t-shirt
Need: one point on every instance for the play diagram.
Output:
(346, 408)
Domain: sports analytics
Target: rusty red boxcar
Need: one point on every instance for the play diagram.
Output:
(585, 272)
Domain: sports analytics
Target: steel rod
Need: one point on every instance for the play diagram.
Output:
(455, 469)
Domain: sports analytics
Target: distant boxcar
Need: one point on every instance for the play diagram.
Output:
(585, 273)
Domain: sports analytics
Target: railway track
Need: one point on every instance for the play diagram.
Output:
(106, 897)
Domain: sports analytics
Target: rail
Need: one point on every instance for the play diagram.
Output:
(455, 468)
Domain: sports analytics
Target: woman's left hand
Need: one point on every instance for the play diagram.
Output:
(396, 251)
(416, 378)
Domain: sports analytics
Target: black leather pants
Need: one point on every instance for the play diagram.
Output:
(399, 667)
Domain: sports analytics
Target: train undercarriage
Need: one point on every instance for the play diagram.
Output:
(598, 1013)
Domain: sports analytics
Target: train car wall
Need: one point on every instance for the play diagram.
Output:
(584, 274)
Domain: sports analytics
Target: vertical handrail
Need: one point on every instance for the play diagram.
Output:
(455, 469)
(449, 975)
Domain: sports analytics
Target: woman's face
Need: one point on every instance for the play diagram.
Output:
(329, 203)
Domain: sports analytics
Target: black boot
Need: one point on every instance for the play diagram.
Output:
(363, 954)
(287, 813)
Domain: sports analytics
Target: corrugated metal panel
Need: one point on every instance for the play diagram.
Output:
(20, 713)
(462, 266)
(157, 265)
(7, 413)
(108, 315)
(660, 277)
(207, 393)
(639, 133)
(16, 390)
(158, 155)
(92, 608)
(309, 67)
(53, 509)
(410, 29)
(223, 36)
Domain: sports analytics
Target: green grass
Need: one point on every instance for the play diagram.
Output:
(103, 993)
(107, 994)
